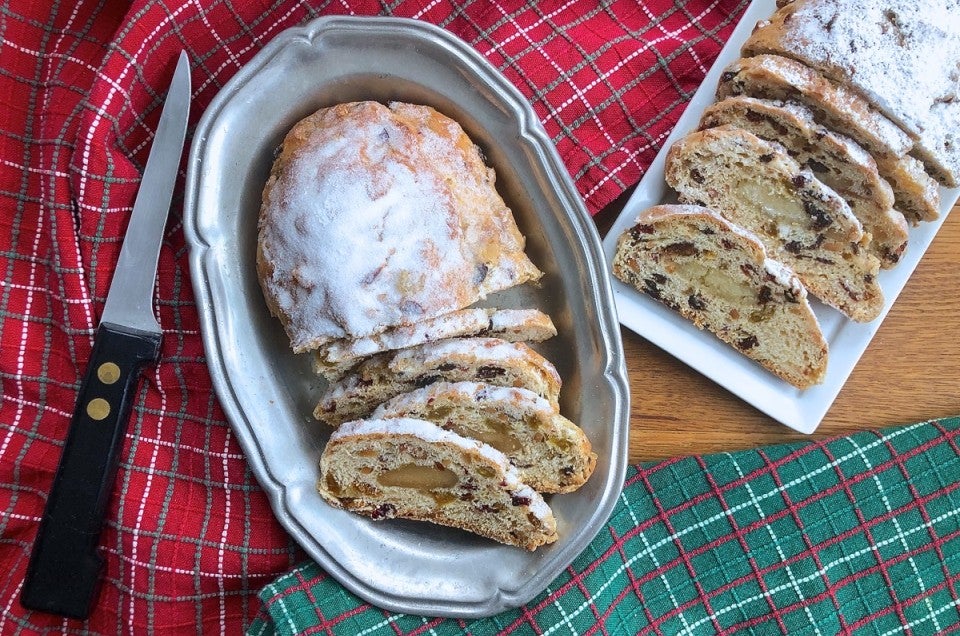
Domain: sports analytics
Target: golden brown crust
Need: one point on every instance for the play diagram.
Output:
(836, 160)
(840, 109)
(334, 359)
(377, 216)
(900, 55)
(387, 375)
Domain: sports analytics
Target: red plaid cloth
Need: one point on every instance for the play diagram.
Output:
(190, 537)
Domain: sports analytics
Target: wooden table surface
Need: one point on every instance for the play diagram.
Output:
(910, 372)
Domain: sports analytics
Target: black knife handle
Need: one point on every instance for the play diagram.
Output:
(64, 569)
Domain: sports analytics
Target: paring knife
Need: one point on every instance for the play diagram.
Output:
(64, 570)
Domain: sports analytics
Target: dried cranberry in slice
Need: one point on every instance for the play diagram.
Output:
(384, 511)
(520, 500)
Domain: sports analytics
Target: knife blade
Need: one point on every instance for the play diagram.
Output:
(63, 574)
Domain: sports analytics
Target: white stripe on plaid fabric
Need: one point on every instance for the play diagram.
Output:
(151, 467)
(934, 615)
(557, 602)
(774, 540)
(102, 110)
(896, 522)
(653, 557)
(274, 590)
(834, 564)
(389, 620)
(671, 537)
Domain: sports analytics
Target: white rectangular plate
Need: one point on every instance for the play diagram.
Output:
(802, 410)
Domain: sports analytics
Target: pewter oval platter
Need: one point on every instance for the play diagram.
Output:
(268, 393)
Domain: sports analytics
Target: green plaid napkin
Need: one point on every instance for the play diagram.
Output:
(859, 534)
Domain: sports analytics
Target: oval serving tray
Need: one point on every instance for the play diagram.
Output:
(268, 393)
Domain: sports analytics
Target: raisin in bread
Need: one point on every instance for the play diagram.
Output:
(801, 222)
(836, 160)
(718, 276)
(379, 216)
(384, 376)
(901, 55)
(840, 109)
(551, 453)
(413, 469)
(334, 359)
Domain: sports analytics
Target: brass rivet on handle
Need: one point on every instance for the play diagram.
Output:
(108, 372)
(98, 408)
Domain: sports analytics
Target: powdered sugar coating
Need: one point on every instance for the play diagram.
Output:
(490, 350)
(379, 217)
(901, 54)
(657, 212)
(776, 77)
(507, 320)
(780, 272)
(455, 323)
(854, 152)
(431, 433)
(784, 276)
(516, 400)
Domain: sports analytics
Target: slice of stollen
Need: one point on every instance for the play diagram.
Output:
(413, 469)
(836, 160)
(801, 222)
(718, 276)
(334, 359)
(901, 55)
(384, 376)
(551, 453)
(841, 109)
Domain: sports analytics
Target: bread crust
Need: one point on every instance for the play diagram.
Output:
(839, 108)
(384, 376)
(334, 359)
(900, 55)
(376, 216)
(551, 453)
(377, 468)
(838, 161)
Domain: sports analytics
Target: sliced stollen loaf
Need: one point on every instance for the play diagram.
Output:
(413, 469)
(801, 222)
(900, 54)
(836, 160)
(840, 109)
(551, 453)
(717, 275)
(386, 375)
(334, 359)
(376, 216)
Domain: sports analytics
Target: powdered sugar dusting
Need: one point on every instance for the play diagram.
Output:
(782, 78)
(784, 276)
(903, 55)
(852, 151)
(488, 349)
(364, 230)
(456, 323)
(668, 212)
(516, 401)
